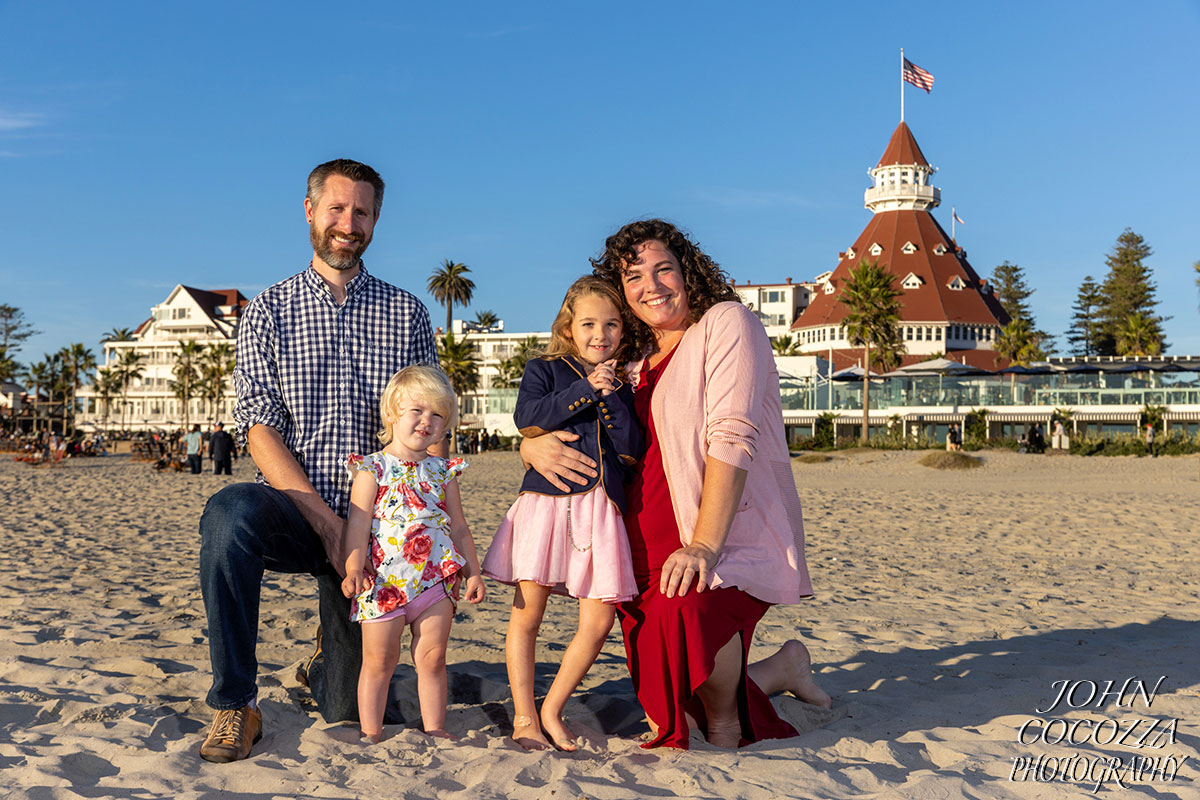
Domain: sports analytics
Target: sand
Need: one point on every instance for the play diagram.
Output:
(950, 607)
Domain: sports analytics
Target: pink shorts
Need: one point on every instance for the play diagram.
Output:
(418, 605)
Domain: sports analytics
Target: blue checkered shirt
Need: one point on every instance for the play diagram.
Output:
(314, 370)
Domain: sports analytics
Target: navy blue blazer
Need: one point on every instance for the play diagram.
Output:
(555, 396)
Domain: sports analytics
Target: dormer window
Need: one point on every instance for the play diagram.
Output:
(850, 253)
(957, 284)
(939, 249)
(829, 287)
(911, 281)
(876, 249)
(909, 248)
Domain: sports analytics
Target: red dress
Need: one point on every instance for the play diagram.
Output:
(671, 644)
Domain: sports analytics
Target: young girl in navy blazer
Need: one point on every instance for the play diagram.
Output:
(569, 542)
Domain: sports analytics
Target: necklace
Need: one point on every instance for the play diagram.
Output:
(571, 535)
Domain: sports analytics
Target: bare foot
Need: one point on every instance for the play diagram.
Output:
(438, 733)
(374, 738)
(725, 733)
(560, 735)
(528, 734)
(797, 678)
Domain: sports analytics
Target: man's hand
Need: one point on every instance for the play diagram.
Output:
(556, 462)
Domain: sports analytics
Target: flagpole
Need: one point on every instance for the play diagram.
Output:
(902, 84)
(953, 219)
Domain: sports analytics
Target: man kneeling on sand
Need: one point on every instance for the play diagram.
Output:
(314, 353)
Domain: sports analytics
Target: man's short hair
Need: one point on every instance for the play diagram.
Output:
(354, 170)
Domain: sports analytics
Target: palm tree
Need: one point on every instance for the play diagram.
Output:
(513, 368)
(9, 369)
(187, 376)
(129, 366)
(784, 345)
(1018, 343)
(872, 320)
(216, 365)
(450, 286)
(1139, 335)
(117, 335)
(460, 364)
(485, 320)
(107, 384)
(78, 362)
(56, 385)
(37, 374)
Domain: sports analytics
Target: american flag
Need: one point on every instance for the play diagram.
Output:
(917, 76)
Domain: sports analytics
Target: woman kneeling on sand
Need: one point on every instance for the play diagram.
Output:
(714, 519)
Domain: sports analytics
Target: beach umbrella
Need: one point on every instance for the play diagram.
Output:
(1020, 369)
(854, 373)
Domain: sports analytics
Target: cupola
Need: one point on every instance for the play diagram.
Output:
(902, 177)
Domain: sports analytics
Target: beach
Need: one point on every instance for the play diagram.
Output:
(952, 609)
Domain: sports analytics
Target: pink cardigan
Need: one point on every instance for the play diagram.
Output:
(719, 397)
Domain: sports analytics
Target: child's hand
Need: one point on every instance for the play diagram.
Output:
(603, 377)
(356, 582)
(475, 590)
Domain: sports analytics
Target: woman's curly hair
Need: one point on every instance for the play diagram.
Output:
(703, 279)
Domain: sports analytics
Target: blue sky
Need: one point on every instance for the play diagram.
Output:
(145, 144)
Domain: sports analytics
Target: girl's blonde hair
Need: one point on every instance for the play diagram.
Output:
(422, 383)
(561, 341)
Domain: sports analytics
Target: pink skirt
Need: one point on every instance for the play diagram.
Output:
(574, 544)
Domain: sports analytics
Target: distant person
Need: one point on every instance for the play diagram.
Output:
(193, 443)
(494, 441)
(570, 542)
(406, 513)
(298, 424)
(222, 450)
(1150, 440)
(953, 438)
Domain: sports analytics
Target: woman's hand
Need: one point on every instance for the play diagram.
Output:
(555, 461)
(686, 564)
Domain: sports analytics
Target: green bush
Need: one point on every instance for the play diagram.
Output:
(1173, 445)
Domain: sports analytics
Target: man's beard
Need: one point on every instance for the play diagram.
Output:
(339, 259)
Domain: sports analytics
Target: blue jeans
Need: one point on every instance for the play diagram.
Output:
(247, 528)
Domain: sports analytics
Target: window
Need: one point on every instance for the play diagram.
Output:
(911, 281)
(849, 254)
(956, 284)
(909, 248)
(876, 249)
(908, 334)
(920, 334)
(937, 332)
(773, 297)
(939, 249)
(829, 287)
(928, 334)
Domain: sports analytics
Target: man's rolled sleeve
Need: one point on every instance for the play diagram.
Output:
(256, 377)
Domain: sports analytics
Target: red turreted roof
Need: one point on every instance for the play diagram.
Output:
(902, 149)
(933, 300)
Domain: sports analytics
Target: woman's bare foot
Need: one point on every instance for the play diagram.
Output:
(528, 734)
(438, 733)
(725, 733)
(790, 670)
(560, 735)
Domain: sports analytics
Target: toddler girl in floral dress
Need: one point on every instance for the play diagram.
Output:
(406, 515)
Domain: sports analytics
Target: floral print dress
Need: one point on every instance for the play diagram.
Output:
(410, 544)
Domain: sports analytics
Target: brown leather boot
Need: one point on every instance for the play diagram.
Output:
(233, 732)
